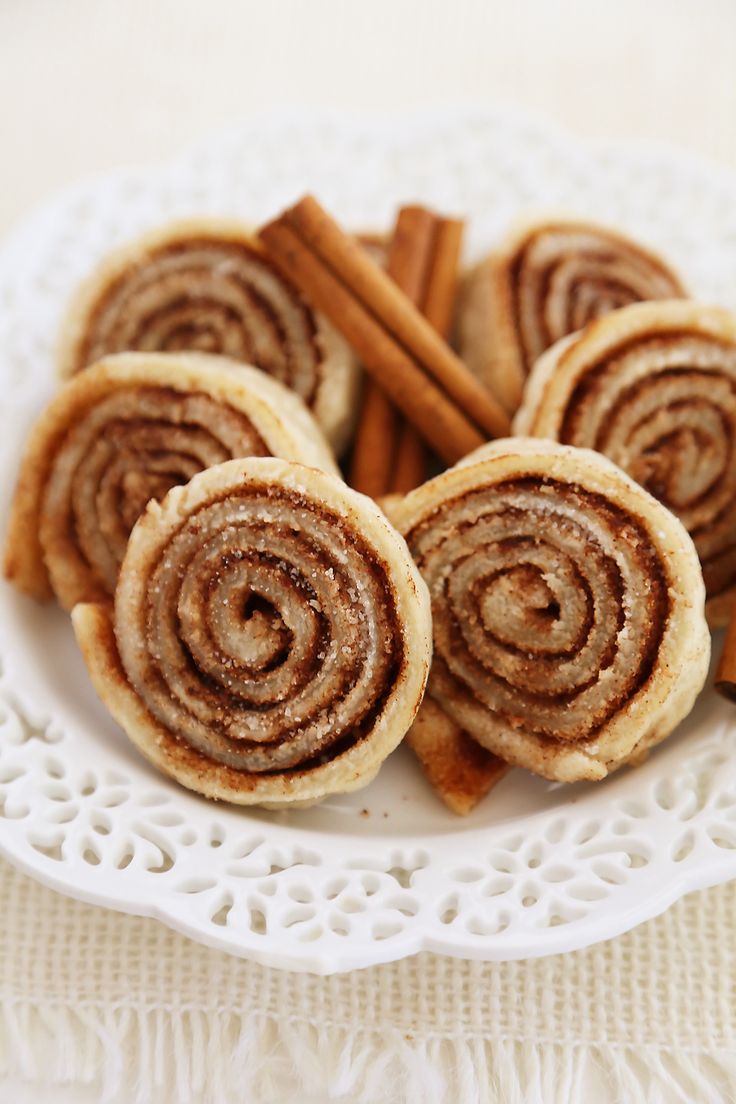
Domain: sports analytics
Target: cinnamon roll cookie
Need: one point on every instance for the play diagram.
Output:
(547, 279)
(270, 639)
(653, 387)
(123, 432)
(207, 286)
(567, 605)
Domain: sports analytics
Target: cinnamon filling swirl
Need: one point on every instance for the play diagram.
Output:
(547, 280)
(675, 433)
(549, 604)
(213, 297)
(270, 640)
(134, 446)
(653, 387)
(206, 286)
(567, 605)
(265, 633)
(123, 433)
(566, 276)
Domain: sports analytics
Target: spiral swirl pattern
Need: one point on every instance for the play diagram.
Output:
(124, 432)
(654, 388)
(567, 276)
(556, 597)
(207, 287)
(274, 628)
(546, 281)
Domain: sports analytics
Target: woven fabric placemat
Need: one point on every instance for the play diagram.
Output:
(90, 996)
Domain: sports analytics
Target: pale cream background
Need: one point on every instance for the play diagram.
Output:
(90, 84)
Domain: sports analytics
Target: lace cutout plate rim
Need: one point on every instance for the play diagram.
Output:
(368, 878)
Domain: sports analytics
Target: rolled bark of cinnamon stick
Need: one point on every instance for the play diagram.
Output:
(379, 434)
(440, 422)
(400, 349)
(439, 295)
(375, 442)
(725, 682)
(385, 299)
(410, 465)
(437, 304)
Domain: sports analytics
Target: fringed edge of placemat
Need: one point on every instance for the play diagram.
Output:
(135, 1055)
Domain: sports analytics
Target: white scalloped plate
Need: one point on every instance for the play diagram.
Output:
(537, 868)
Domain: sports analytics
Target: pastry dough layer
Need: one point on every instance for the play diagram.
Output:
(125, 431)
(567, 603)
(548, 278)
(270, 639)
(653, 387)
(205, 285)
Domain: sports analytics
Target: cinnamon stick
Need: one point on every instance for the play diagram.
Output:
(377, 437)
(439, 296)
(410, 251)
(385, 300)
(374, 446)
(438, 419)
(437, 305)
(410, 464)
(371, 466)
(725, 682)
(409, 360)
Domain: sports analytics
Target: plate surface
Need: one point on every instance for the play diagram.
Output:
(537, 868)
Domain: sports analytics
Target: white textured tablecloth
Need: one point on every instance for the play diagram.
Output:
(120, 1009)
(139, 1013)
